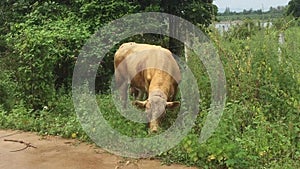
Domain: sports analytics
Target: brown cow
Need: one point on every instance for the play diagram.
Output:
(150, 70)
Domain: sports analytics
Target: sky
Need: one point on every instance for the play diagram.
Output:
(239, 5)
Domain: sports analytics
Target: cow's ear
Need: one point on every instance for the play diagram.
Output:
(140, 104)
(172, 105)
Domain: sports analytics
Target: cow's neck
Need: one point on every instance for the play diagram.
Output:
(158, 93)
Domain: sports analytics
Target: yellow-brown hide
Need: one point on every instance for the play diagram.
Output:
(149, 69)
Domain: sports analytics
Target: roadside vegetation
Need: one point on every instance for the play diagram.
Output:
(272, 13)
(260, 127)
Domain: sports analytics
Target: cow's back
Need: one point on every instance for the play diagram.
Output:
(127, 49)
(148, 67)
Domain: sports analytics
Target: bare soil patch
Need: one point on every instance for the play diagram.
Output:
(25, 150)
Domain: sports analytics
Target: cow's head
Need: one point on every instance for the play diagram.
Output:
(155, 106)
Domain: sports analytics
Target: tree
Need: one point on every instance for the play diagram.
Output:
(227, 11)
(294, 8)
(199, 12)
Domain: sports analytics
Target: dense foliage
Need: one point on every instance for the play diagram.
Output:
(41, 40)
(260, 127)
(294, 8)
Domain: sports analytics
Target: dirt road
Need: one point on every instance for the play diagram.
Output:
(57, 153)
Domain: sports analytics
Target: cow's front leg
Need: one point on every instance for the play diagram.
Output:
(154, 123)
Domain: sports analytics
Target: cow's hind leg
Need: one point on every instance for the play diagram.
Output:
(122, 88)
(123, 95)
(137, 93)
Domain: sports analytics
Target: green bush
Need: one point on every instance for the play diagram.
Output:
(44, 48)
(260, 125)
(261, 122)
(7, 90)
(57, 119)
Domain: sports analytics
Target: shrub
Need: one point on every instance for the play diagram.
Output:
(7, 90)
(44, 52)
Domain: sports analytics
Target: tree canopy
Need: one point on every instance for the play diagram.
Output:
(40, 40)
(294, 8)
